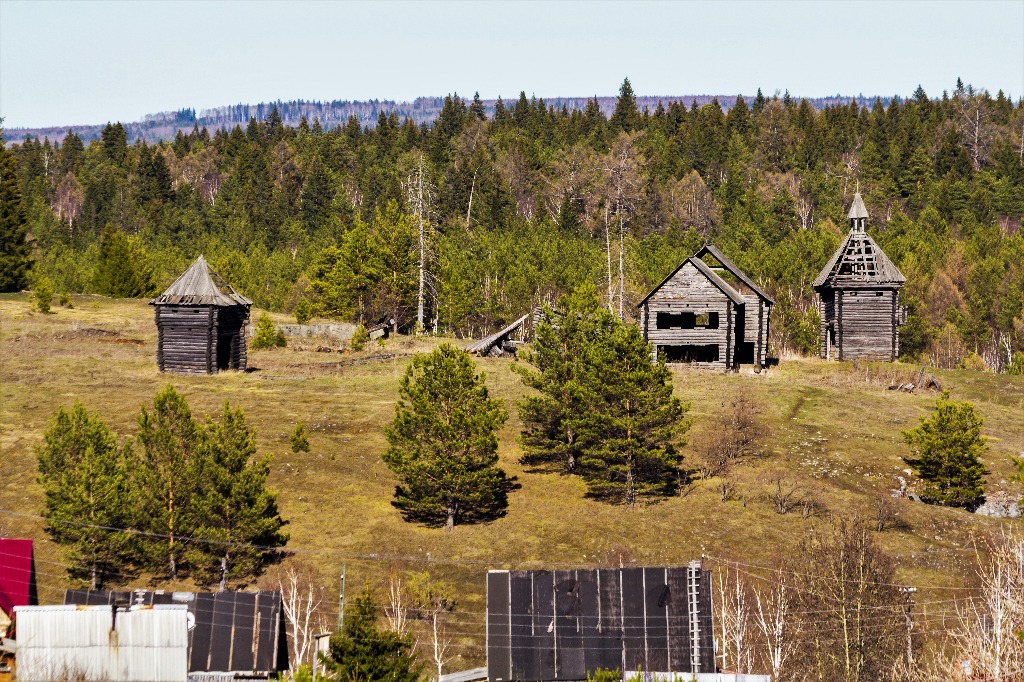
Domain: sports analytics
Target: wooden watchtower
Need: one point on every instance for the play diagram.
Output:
(200, 325)
(858, 297)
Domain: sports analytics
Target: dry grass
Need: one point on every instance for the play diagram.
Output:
(831, 434)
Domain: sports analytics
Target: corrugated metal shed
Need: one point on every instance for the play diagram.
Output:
(105, 644)
(241, 632)
(17, 575)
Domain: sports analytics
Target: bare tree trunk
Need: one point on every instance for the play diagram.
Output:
(469, 209)
(423, 249)
(608, 249)
(622, 267)
(440, 643)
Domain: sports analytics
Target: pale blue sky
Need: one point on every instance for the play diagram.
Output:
(88, 62)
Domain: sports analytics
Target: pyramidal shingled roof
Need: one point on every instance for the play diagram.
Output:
(196, 286)
(859, 260)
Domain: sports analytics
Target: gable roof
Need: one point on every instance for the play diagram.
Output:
(867, 263)
(234, 631)
(196, 286)
(735, 271)
(17, 575)
(720, 283)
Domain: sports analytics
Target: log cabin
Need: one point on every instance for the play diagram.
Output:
(708, 313)
(859, 297)
(200, 325)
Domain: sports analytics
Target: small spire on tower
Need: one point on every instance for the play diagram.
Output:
(858, 214)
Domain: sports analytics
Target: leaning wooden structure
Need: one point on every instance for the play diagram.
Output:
(708, 313)
(859, 297)
(200, 324)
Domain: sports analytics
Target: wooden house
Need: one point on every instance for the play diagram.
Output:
(708, 313)
(200, 324)
(859, 297)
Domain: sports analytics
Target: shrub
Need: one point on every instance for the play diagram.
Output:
(267, 334)
(303, 311)
(300, 443)
(974, 362)
(43, 295)
(1016, 366)
(360, 337)
(65, 300)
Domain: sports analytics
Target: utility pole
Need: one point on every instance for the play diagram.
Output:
(341, 600)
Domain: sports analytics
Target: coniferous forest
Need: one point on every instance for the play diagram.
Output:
(519, 207)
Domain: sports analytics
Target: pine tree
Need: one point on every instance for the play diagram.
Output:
(947, 449)
(167, 475)
(239, 519)
(562, 380)
(362, 651)
(15, 252)
(266, 334)
(629, 433)
(298, 439)
(442, 443)
(85, 482)
(626, 116)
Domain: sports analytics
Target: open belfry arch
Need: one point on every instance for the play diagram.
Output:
(708, 313)
(858, 297)
(200, 323)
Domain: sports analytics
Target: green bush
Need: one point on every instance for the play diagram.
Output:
(65, 300)
(267, 334)
(974, 362)
(43, 295)
(1016, 368)
(300, 443)
(360, 337)
(303, 311)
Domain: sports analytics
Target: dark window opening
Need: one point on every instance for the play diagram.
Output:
(687, 321)
(707, 353)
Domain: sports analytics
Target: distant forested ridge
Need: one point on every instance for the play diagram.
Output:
(165, 125)
(513, 204)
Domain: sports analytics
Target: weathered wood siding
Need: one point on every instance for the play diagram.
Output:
(866, 323)
(690, 291)
(186, 339)
(190, 339)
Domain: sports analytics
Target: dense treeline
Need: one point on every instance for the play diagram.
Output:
(523, 205)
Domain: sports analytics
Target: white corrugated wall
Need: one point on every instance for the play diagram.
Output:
(146, 645)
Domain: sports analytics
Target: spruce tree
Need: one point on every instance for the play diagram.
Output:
(442, 443)
(362, 651)
(15, 252)
(947, 448)
(122, 269)
(85, 483)
(626, 116)
(238, 515)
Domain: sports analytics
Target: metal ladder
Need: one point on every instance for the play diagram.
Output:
(693, 580)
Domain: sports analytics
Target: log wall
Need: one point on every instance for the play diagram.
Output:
(188, 338)
(864, 322)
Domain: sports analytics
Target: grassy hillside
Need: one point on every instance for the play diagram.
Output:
(834, 433)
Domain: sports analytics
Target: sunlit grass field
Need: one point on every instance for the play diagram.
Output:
(833, 433)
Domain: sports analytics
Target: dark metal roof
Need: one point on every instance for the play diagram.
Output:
(196, 286)
(734, 270)
(240, 632)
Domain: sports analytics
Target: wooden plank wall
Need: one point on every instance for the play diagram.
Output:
(690, 291)
(231, 322)
(186, 339)
(867, 325)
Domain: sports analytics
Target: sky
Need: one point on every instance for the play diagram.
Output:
(84, 62)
